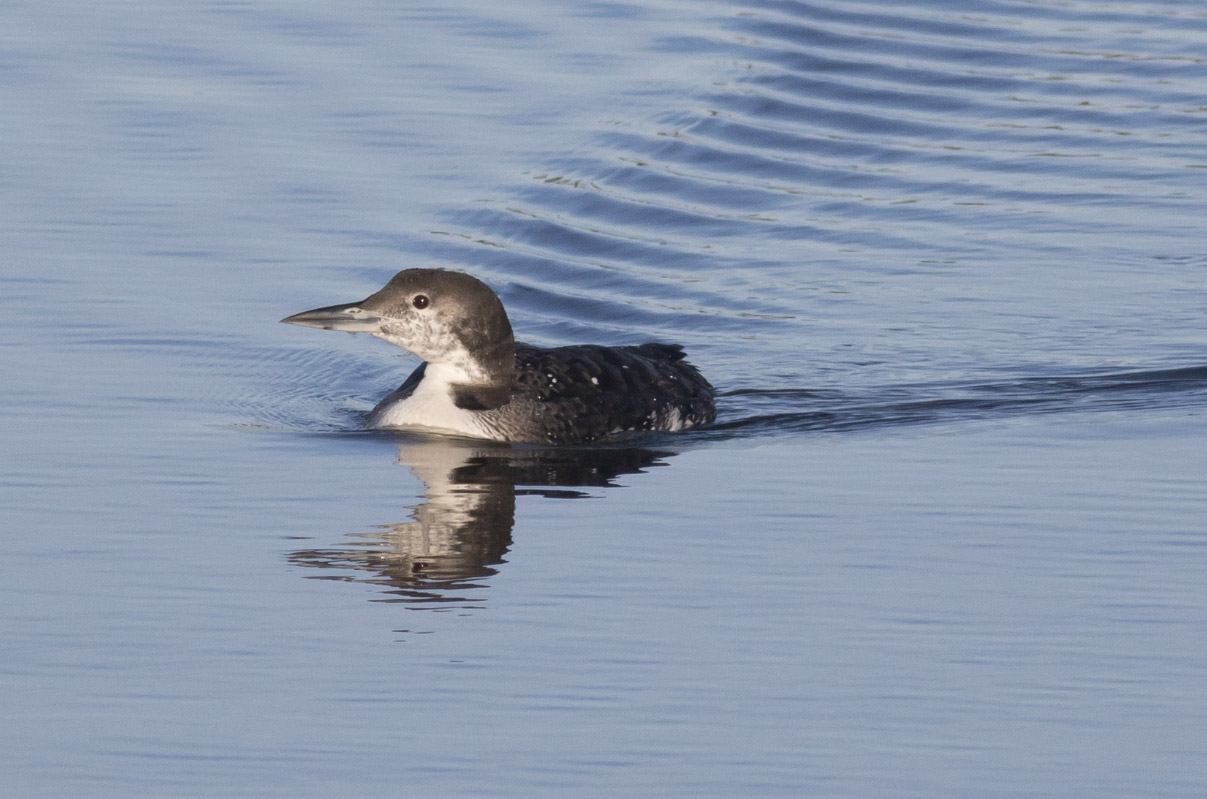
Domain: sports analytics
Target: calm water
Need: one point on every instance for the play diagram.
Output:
(944, 261)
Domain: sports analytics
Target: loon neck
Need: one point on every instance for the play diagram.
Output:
(483, 380)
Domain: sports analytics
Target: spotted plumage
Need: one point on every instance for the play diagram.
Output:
(476, 380)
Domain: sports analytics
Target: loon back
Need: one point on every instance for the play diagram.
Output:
(588, 393)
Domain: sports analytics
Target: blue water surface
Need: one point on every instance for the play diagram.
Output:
(943, 261)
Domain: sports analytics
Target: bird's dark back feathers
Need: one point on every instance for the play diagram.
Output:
(587, 393)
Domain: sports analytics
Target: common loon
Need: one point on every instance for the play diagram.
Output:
(478, 381)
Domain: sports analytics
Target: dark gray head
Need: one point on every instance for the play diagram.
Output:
(449, 319)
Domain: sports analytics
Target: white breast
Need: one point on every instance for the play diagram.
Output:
(430, 407)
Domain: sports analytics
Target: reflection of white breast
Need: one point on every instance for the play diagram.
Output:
(430, 406)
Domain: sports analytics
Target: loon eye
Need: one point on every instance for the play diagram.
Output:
(421, 301)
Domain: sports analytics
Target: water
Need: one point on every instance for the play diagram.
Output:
(943, 261)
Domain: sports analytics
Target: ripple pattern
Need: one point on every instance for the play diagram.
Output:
(866, 194)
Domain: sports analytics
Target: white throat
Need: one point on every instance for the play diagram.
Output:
(437, 346)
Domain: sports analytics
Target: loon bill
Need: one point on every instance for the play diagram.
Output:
(477, 380)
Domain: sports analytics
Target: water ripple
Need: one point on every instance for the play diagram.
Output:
(852, 196)
(777, 412)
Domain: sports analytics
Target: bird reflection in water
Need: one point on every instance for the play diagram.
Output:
(460, 534)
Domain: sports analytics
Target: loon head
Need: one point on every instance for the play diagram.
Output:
(451, 320)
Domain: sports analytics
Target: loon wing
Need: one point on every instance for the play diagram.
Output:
(588, 392)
